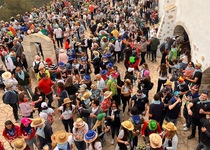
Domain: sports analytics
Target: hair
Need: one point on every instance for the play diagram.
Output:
(69, 81)
(44, 74)
(76, 71)
(21, 97)
(146, 66)
(96, 102)
(8, 122)
(139, 91)
(163, 70)
(61, 86)
(193, 65)
(93, 143)
(37, 89)
(134, 111)
(64, 107)
(114, 102)
(156, 97)
(58, 75)
(171, 134)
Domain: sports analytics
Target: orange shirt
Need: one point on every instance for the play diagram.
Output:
(91, 8)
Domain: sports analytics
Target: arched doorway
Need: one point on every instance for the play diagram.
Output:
(31, 49)
(181, 32)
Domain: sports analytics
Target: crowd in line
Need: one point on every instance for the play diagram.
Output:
(85, 89)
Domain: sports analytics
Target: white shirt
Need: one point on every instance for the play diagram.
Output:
(44, 113)
(58, 33)
(97, 146)
(9, 64)
(67, 114)
(101, 84)
(70, 139)
(13, 81)
(118, 46)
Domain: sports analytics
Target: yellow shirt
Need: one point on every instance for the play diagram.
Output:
(115, 33)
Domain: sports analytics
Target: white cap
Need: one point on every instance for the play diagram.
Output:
(44, 105)
(130, 69)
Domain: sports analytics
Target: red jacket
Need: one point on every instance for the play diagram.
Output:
(145, 129)
(8, 136)
(45, 86)
(31, 133)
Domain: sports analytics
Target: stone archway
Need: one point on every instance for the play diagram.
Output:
(205, 83)
(30, 49)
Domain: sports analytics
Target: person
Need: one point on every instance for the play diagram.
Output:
(125, 136)
(174, 106)
(45, 85)
(63, 140)
(200, 108)
(126, 91)
(100, 81)
(20, 144)
(140, 101)
(9, 78)
(10, 97)
(170, 138)
(181, 86)
(62, 93)
(106, 103)
(41, 71)
(114, 118)
(10, 132)
(24, 81)
(43, 132)
(185, 58)
(92, 141)
(79, 130)
(95, 61)
(28, 133)
(153, 46)
(47, 113)
(8, 62)
(205, 135)
(26, 108)
(65, 113)
(38, 98)
(156, 108)
(163, 75)
(148, 128)
(144, 44)
(155, 142)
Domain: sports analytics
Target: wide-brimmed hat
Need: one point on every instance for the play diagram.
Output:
(82, 89)
(107, 94)
(48, 59)
(109, 65)
(61, 64)
(61, 137)
(128, 125)
(155, 140)
(66, 101)
(152, 125)
(19, 144)
(83, 85)
(6, 75)
(86, 95)
(176, 93)
(37, 122)
(170, 126)
(108, 54)
(95, 53)
(90, 136)
(198, 65)
(130, 69)
(86, 77)
(146, 73)
(103, 72)
(44, 105)
(70, 58)
(168, 82)
(79, 123)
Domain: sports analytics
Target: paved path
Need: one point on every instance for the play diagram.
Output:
(184, 144)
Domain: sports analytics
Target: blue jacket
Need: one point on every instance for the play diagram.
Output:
(10, 97)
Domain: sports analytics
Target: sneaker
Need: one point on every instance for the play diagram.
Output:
(185, 128)
(184, 125)
(112, 141)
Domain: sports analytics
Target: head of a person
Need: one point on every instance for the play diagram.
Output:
(114, 105)
(139, 93)
(191, 64)
(198, 66)
(127, 82)
(61, 86)
(194, 89)
(45, 76)
(18, 69)
(9, 124)
(156, 97)
(37, 90)
(134, 111)
(25, 122)
(95, 103)
(98, 77)
(204, 96)
(22, 97)
(145, 66)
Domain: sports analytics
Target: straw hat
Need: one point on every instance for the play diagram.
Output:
(37, 122)
(155, 140)
(95, 53)
(19, 144)
(170, 126)
(168, 83)
(128, 125)
(90, 136)
(61, 137)
(86, 95)
(198, 65)
(79, 123)
(53, 137)
(66, 101)
(82, 89)
(6, 75)
(107, 94)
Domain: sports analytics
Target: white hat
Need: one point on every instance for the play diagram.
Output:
(61, 51)
(83, 85)
(44, 105)
(130, 69)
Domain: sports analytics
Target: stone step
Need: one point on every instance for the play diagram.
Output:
(206, 80)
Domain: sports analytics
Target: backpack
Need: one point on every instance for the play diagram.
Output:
(150, 86)
(50, 119)
(162, 47)
(36, 67)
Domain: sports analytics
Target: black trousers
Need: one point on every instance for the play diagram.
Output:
(117, 56)
(195, 123)
(68, 124)
(160, 83)
(143, 57)
(154, 55)
(59, 42)
(15, 110)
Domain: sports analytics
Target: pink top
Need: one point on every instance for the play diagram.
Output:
(63, 58)
(25, 109)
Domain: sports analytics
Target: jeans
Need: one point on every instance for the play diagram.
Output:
(154, 55)
(68, 124)
(27, 89)
(187, 117)
(50, 99)
(15, 110)
(31, 142)
(81, 145)
(115, 131)
(201, 145)
(173, 120)
(142, 58)
(117, 56)
(160, 83)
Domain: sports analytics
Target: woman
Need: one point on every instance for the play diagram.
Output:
(125, 136)
(41, 71)
(51, 67)
(76, 76)
(10, 132)
(65, 113)
(170, 138)
(62, 93)
(28, 132)
(163, 75)
(144, 44)
(75, 64)
(79, 130)
(95, 61)
(189, 70)
(126, 91)
(38, 98)
(185, 59)
(114, 120)
(92, 141)
(71, 88)
(106, 103)
(145, 83)
(25, 107)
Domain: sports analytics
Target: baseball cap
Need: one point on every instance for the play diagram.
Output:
(44, 105)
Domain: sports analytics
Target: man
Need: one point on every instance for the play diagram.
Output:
(200, 108)
(118, 49)
(58, 36)
(140, 101)
(181, 86)
(45, 85)
(24, 81)
(197, 75)
(153, 46)
(174, 106)
(100, 82)
(8, 62)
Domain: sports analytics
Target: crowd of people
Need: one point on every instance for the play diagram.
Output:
(85, 89)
